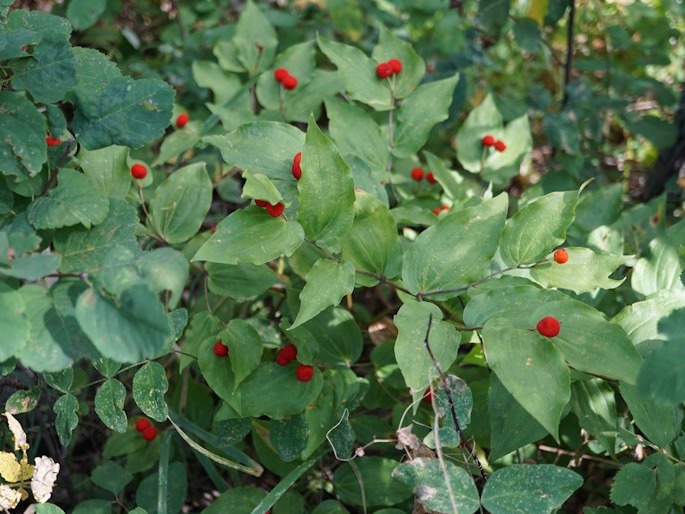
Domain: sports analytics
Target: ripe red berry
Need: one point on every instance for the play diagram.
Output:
(52, 141)
(182, 120)
(261, 203)
(289, 82)
(427, 396)
(437, 211)
(383, 70)
(280, 74)
(488, 140)
(138, 171)
(304, 373)
(561, 256)
(275, 210)
(548, 326)
(220, 349)
(142, 424)
(149, 433)
(430, 178)
(500, 146)
(417, 173)
(395, 66)
(286, 354)
(297, 171)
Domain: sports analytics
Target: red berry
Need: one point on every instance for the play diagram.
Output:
(280, 74)
(417, 173)
(488, 140)
(437, 211)
(383, 70)
(261, 203)
(297, 171)
(286, 354)
(444, 207)
(395, 65)
(182, 120)
(275, 210)
(427, 396)
(500, 146)
(138, 171)
(52, 141)
(142, 424)
(548, 326)
(430, 178)
(220, 349)
(304, 373)
(561, 256)
(289, 82)
(149, 433)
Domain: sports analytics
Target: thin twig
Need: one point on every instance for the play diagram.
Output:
(569, 51)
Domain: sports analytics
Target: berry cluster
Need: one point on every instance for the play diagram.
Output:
(274, 210)
(146, 429)
(138, 171)
(182, 120)
(297, 171)
(561, 256)
(389, 68)
(285, 78)
(52, 141)
(220, 349)
(286, 355)
(417, 174)
(490, 141)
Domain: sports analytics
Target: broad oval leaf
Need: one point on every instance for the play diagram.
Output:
(109, 405)
(413, 68)
(22, 136)
(14, 323)
(483, 120)
(149, 385)
(659, 378)
(379, 486)
(245, 348)
(251, 235)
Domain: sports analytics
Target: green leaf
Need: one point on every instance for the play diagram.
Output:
(585, 271)
(659, 378)
(462, 400)
(60, 380)
(217, 371)
(376, 479)
(289, 437)
(48, 508)
(511, 426)
(84, 251)
(251, 235)
(180, 203)
(224, 85)
(84, 13)
(641, 319)
(342, 437)
(633, 485)
(594, 404)
(372, 244)
(239, 500)
(74, 200)
(127, 112)
(456, 250)
(410, 351)
(429, 482)
(109, 405)
(245, 348)
(448, 179)
(23, 400)
(590, 343)
(22, 136)
(177, 489)
(130, 330)
(531, 369)
(327, 282)
(94, 73)
(358, 73)
(14, 324)
(255, 40)
(481, 121)
(50, 71)
(111, 476)
(240, 281)
(662, 264)
(659, 423)
(534, 489)
(413, 67)
(501, 166)
(563, 131)
(356, 133)
(260, 187)
(149, 385)
(107, 170)
(66, 408)
(418, 115)
(326, 191)
(491, 18)
(538, 228)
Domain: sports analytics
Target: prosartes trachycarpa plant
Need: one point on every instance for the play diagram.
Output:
(337, 257)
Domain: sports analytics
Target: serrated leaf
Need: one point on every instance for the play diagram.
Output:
(22, 136)
(149, 385)
(74, 200)
(633, 485)
(534, 489)
(326, 191)
(134, 328)
(429, 481)
(180, 203)
(418, 115)
(84, 13)
(251, 235)
(538, 228)
(109, 405)
(66, 409)
(126, 112)
(94, 73)
(327, 282)
(456, 250)
(531, 369)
